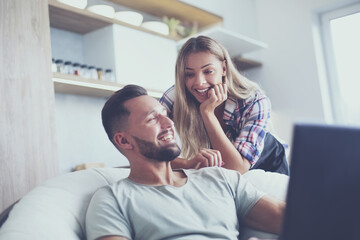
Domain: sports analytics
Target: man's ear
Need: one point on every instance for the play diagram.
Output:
(121, 141)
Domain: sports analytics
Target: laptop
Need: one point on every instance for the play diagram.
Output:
(323, 199)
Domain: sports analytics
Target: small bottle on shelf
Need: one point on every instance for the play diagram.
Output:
(76, 69)
(109, 76)
(53, 65)
(92, 72)
(68, 67)
(59, 66)
(84, 71)
(100, 73)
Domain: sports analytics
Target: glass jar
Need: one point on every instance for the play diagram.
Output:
(109, 76)
(84, 71)
(100, 74)
(92, 72)
(59, 66)
(53, 65)
(76, 69)
(68, 67)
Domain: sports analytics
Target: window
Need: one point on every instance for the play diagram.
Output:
(341, 44)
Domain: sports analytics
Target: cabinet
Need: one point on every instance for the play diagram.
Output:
(151, 68)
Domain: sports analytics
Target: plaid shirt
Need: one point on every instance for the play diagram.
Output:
(246, 121)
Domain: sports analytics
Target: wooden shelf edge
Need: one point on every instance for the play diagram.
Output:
(173, 8)
(81, 21)
(74, 19)
(70, 84)
(245, 64)
(236, 43)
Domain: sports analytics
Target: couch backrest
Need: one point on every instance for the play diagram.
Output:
(56, 209)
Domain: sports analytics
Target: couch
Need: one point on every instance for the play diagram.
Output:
(56, 208)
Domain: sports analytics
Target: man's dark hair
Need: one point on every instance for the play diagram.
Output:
(114, 114)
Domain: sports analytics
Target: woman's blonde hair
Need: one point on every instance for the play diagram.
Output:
(187, 118)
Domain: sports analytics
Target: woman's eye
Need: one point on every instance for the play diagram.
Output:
(188, 75)
(208, 71)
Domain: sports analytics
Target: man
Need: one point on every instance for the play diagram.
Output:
(157, 202)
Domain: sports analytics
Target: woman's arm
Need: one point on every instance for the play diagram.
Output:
(232, 158)
(253, 127)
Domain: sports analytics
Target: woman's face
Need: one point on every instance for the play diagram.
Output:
(203, 70)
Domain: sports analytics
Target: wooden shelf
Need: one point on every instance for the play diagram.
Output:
(245, 64)
(75, 20)
(71, 84)
(173, 8)
(235, 43)
(81, 21)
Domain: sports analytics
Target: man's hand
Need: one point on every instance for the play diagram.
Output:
(206, 158)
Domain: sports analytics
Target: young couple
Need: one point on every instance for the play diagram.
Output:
(226, 116)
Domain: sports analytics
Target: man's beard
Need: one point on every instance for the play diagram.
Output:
(161, 154)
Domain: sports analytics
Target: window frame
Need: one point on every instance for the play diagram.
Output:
(332, 82)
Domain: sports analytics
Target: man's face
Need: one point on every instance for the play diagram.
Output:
(151, 130)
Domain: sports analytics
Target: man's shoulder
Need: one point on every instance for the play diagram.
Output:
(113, 187)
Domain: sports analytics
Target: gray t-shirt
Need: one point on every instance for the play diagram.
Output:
(209, 206)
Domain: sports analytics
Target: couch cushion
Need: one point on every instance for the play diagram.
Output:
(56, 209)
(273, 184)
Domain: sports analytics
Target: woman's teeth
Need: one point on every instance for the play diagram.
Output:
(202, 90)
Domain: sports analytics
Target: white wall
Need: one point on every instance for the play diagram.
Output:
(80, 135)
(289, 74)
(66, 45)
(144, 59)
(238, 15)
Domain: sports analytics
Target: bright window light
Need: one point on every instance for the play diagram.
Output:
(341, 37)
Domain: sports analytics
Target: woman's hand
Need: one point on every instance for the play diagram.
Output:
(206, 158)
(216, 96)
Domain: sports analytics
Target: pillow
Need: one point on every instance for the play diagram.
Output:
(56, 209)
(273, 184)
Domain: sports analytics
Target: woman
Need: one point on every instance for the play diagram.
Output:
(214, 106)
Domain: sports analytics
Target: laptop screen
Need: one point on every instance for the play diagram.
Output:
(323, 200)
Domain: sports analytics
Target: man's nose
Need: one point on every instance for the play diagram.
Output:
(166, 122)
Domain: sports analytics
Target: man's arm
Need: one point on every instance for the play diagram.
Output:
(266, 215)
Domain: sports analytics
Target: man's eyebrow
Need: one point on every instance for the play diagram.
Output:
(148, 113)
(187, 68)
(154, 111)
